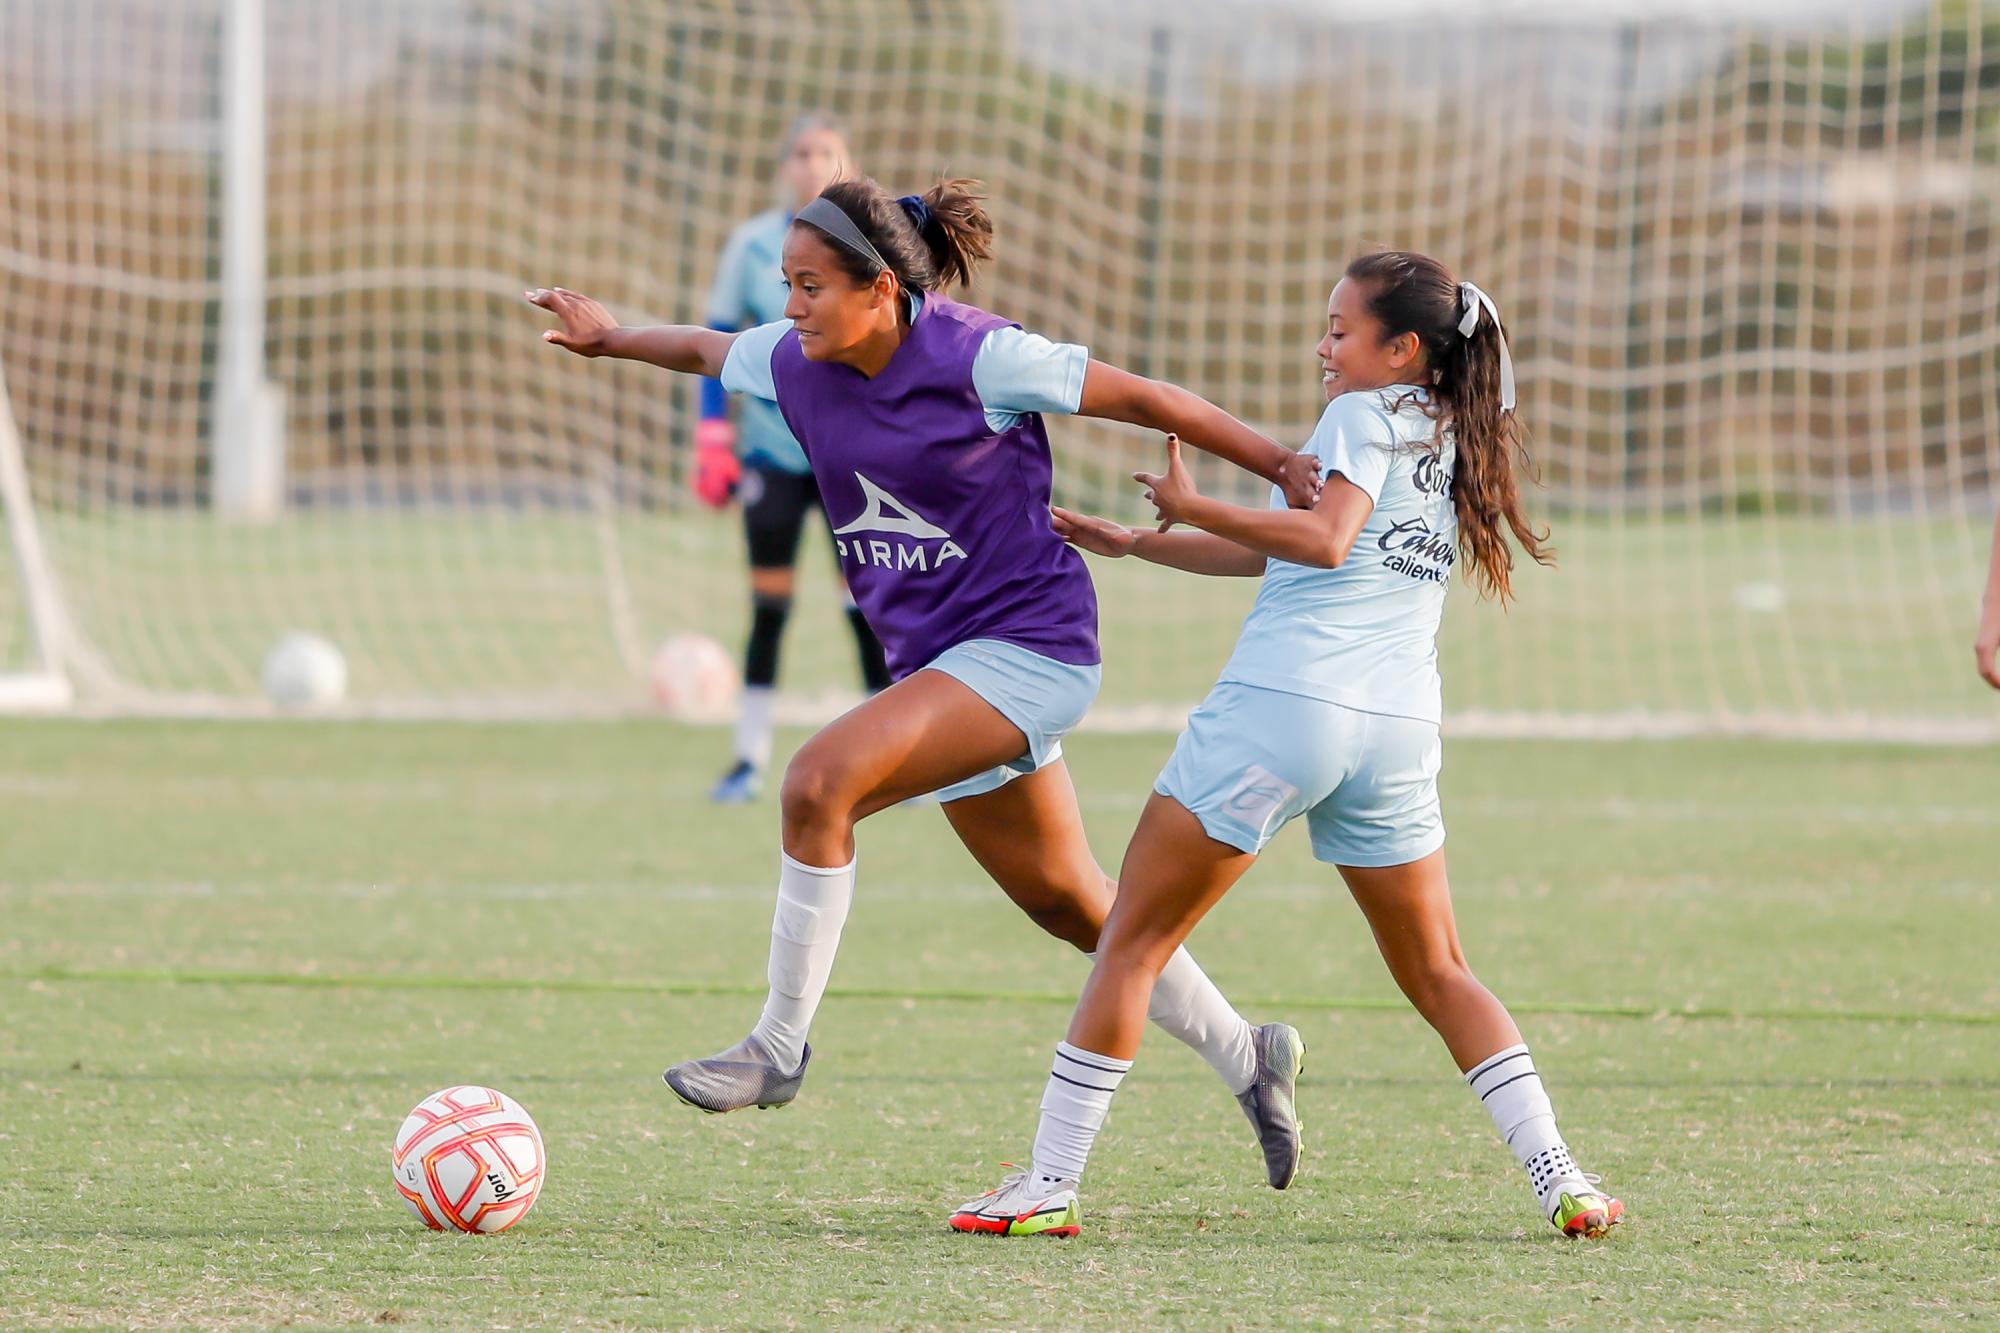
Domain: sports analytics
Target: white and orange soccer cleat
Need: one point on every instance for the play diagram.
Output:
(1576, 1207)
(1021, 1206)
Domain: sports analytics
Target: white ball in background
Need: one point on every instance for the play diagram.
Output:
(693, 678)
(1760, 598)
(304, 673)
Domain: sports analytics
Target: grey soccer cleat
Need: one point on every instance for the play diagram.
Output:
(741, 1076)
(1281, 1054)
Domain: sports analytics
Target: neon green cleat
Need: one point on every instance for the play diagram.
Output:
(1585, 1211)
(1018, 1207)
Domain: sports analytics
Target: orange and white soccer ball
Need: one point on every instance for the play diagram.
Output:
(694, 678)
(469, 1159)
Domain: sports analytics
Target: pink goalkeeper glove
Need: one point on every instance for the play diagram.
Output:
(716, 470)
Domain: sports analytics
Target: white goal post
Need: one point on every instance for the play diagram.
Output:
(43, 685)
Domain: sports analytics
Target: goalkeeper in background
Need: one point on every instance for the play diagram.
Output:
(755, 458)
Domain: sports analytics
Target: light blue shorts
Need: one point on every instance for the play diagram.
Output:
(1043, 697)
(1252, 760)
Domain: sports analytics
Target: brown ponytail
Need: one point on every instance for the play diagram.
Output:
(1413, 293)
(960, 235)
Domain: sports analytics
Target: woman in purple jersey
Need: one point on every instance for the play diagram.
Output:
(922, 419)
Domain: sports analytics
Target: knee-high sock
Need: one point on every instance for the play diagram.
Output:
(1074, 1105)
(805, 936)
(1187, 1006)
(1512, 1092)
(753, 726)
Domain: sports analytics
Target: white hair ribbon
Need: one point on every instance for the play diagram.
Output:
(1474, 298)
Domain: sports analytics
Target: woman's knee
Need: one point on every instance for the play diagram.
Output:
(818, 789)
(1140, 945)
(1436, 980)
(1069, 907)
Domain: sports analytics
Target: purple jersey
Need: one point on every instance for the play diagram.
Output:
(941, 523)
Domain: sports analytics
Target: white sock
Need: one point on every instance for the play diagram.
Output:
(753, 726)
(1073, 1109)
(1188, 1007)
(1512, 1091)
(805, 935)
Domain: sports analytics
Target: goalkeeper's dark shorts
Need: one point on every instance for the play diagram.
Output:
(776, 505)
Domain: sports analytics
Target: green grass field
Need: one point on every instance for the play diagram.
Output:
(1759, 979)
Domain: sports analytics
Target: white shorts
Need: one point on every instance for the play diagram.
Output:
(1043, 697)
(1252, 760)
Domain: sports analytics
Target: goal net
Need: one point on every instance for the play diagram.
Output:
(1749, 265)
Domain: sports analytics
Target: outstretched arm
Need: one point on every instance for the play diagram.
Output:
(589, 330)
(1117, 395)
(1320, 537)
(1195, 552)
(1987, 645)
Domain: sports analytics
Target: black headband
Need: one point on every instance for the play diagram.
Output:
(832, 219)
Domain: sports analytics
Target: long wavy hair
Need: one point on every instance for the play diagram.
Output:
(1413, 293)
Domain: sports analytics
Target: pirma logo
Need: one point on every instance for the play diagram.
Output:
(925, 547)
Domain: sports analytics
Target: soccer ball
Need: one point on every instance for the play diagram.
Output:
(469, 1159)
(303, 672)
(693, 678)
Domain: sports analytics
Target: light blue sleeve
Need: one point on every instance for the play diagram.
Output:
(727, 305)
(1016, 373)
(747, 368)
(1354, 439)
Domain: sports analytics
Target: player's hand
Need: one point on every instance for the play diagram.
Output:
(1299, 479)
(586, 325)
(1986, 646)
(1099, 536)
(716, 469)
(1172, 491)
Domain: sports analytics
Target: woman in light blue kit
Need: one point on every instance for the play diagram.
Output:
(1328, 709)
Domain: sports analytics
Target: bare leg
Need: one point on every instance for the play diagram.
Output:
(1173, 873)
(927, 731)
(1409, 909)
(1028, 835)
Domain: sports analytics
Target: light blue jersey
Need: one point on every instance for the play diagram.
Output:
(1364, 634)
(750, 290)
